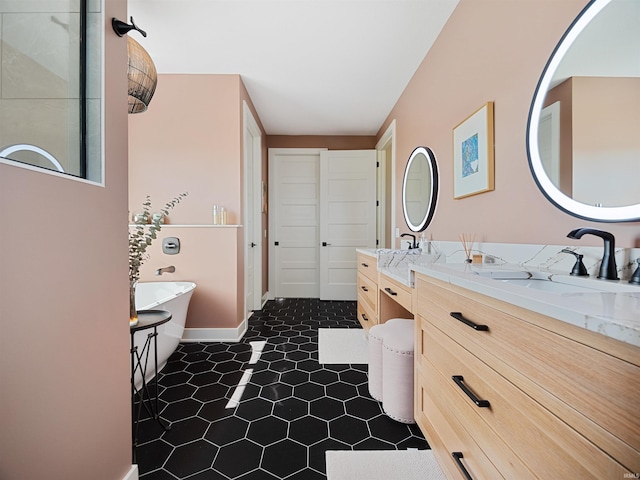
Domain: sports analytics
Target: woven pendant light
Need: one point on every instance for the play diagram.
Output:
(142, 76)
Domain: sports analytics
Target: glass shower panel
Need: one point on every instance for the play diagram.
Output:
(50, 85)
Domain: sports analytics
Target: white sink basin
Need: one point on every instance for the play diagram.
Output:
(546, 285)
(556, 282)
(397, 263)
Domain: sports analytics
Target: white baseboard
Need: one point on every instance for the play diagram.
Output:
(132, 474)
(214, 334)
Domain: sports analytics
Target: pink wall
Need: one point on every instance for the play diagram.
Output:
(64, 350)
(190, 140)
(490, 51)
(208, 257)
(605, 128)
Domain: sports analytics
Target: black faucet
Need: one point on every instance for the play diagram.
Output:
(412, 244)
(608, 269)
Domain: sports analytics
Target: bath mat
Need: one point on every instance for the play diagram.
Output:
(383, 465)
(342, 345)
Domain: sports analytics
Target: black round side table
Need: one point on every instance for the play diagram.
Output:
(147, 320)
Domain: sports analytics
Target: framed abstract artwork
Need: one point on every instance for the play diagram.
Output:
(473, 168)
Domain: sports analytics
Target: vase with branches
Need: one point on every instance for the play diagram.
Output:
(140, 238)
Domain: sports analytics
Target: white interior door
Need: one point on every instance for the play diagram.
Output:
(252, 142)
(347, 218)
(294, 223)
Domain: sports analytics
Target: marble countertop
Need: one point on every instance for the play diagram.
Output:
(615, 314)
(398, 275)
(367, 251)
(395, 263)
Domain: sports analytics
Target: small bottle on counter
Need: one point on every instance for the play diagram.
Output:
(223, 216)
(216, 215)
(423, 243)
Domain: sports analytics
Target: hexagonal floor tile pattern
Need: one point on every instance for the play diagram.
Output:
(291, 411)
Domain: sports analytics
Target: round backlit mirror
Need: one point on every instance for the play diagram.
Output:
(582, 135)
(420, 189)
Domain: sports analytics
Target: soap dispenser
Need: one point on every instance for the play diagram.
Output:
(423, 243)
(579, 270)
(635, 278)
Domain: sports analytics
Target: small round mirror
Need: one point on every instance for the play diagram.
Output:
(420, 189)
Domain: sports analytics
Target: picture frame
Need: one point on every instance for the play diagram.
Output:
(473, 153)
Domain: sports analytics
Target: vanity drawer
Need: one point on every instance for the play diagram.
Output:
(368, 292)
(366, 315)
(443, 428)
(511, 421)
(398, 292)
(567, 377)
(368, 266)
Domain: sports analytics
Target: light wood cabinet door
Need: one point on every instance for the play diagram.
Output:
(399, 293)
(368, 293)
(366, 316)
(367, 287)
(368, 266)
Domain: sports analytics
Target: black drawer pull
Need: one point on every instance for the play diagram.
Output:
(390, 292)
(459, 379)
(365, 265)
(364, 317)
(364, 288)
(458, 316)
(457, 456)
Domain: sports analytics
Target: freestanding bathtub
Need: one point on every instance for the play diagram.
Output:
(171, 296)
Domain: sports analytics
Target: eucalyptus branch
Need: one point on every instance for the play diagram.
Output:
(143, 235)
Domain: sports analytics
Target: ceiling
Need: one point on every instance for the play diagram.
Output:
(311, 67)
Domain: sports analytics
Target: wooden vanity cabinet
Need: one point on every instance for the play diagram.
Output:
(367, 291)
(398, 292)
(396, 299)
(519, 394)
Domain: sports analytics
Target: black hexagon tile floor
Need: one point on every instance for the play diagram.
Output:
(291, 411)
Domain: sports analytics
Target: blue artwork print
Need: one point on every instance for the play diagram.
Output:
(470, 156)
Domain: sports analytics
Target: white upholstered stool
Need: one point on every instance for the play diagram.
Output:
(375, 336)
(397, 371)
(391, 351)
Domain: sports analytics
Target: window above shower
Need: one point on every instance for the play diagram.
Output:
(51, 85)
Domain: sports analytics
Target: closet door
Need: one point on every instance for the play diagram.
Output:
(294, 208)
(347, 218)
(322, 206)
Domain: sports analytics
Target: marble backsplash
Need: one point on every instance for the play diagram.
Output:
(540, 257)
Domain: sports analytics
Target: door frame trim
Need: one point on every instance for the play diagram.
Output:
(388, 137)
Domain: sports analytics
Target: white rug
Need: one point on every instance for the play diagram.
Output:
(342, 345)
(383, 465)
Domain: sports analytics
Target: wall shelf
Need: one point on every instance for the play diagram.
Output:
(169, 225)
